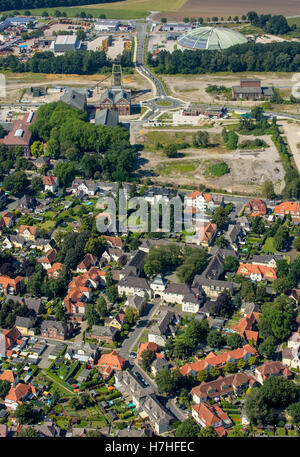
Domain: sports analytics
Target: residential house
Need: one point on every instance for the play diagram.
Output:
(103, 334)
(285, 208)
(158, 365)
(135, 265)
(272, 369)
(116, 321)
(222, 387)
(146, 347)
(114, 255)
(88, 261)
(25, 325)
(114, 241)
(145, 401)
(7, 219)
(11, 285)
(245, 327)
(34, 305)
(269, 260)
(291, 354)
(256, 207)
(55, 270)
(51, 183)
(244, 222)
(48, 259)
(56, 329)
(27, 204)
(208, 415)
(10, 342)
(203, 201)
(205, 234)
(84, 352)
(233, 236)
(137, 302)
(218, 361)
(10, 376)
(111, 363)
(257, 272)
(30, 233)
(159, 332)
(85, 186)
(248, 308)
(17, 395)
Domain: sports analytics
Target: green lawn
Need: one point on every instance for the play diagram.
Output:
(269, 246)
(173, 167)
(294, 20)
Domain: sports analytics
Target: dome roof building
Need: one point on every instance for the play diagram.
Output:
(210, 38)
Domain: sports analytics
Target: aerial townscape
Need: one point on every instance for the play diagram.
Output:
(185, 323)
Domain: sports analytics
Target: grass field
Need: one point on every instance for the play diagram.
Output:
(127, 9)
(294, 20)
(110, 13)
(168, 168)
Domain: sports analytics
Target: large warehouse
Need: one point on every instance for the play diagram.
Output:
(210, 38)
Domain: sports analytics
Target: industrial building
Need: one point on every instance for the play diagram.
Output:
(175, 27)
(65, 43)
(74, 98)
(210, 38)
(107, 25)
(250, 89)
(108, 117)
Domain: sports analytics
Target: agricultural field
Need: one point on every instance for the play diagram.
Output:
(232, 8)
(127, 9)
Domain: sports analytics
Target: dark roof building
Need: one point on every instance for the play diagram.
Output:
(75, 99)
(108, 117)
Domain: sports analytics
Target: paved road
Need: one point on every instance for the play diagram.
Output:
(134, 336)
(168, 403)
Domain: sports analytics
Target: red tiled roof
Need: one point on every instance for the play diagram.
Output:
(146, 346)
(246, 269)
(112, 361)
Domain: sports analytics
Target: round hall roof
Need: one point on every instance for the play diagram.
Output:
(211, 38)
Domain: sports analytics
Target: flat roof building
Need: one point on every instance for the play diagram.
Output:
(65, 43)
(107, 25)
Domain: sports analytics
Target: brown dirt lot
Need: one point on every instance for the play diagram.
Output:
(209, 8)
(192, 87)
(248, 170)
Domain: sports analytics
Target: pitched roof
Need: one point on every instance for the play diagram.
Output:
(112, 360)
(217, 360)
(210, 414)
(292, 208)
(266, 272)
(146, 346)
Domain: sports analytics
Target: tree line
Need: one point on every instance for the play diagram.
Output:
(71, 62)
(284, 56)
(7, 5)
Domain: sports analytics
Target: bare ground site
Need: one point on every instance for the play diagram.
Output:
(192, 87)
(208, 8)
(16, 84)
(247, 169)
